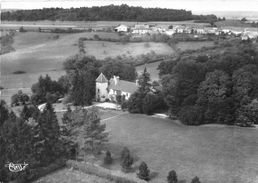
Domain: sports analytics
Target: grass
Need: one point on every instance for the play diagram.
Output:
(193, 45)
(232, 23)
(151, 68)
(213, 153)
(104, 49)
(14, 82)
(68, 176)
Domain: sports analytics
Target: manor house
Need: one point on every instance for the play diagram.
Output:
(110, 89)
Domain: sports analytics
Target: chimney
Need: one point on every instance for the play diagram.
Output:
(116, 79)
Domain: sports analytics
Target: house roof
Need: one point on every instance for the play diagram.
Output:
(102, 79)
(122, 85)
(121, 26)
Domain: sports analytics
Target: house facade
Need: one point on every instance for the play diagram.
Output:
(110, 89)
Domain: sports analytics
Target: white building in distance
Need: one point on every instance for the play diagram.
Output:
(122, 28)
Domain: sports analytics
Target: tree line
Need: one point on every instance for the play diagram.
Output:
(107, 13)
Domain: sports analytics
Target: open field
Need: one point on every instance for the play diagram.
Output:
(213, 153)
(38, 54)
(68, 176)
(232, 23)
(103, 49)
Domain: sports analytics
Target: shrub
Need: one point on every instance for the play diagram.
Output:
(21, 29)
(127, 160)
(96, 37)
(124, 153)
(172, 177)
(127, 163)
(19, 98)
(108, 159)
(248, 114)
(144, 172)
(191, 115)
(149, 103)
(19, 72)
(119, 99)
(124, 105)
(195, 180)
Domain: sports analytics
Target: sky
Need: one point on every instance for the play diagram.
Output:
(196, 6)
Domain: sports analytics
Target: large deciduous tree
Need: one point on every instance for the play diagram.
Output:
(136, 101)
(124, 70)
(46, 90)
(82, 72)
(214, 96)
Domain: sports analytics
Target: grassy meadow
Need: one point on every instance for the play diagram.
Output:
(216, 154)
(104, 49)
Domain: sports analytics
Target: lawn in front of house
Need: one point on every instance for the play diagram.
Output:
(216, 154)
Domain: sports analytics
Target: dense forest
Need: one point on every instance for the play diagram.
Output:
(213, 87)
(107, 13)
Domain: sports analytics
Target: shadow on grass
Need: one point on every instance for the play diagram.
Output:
(153, 175)
(182, 181)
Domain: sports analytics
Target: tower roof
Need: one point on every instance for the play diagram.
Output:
(102, 78)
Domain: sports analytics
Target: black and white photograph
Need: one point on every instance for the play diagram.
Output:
(129, 91)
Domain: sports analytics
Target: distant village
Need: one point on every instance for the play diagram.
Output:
(140, 29)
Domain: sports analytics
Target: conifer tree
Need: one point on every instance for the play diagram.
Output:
(195, 180)
(49, 133)
(136, 101)
(144, 172)
(127, 162)
(172, 177)
(3, 112)
(124, 153)
(94, 133)
(144, 82)
(67, 134)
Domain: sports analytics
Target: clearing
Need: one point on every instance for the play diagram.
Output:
(214, 154)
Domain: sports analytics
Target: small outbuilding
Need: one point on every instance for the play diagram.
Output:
(121, 28)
